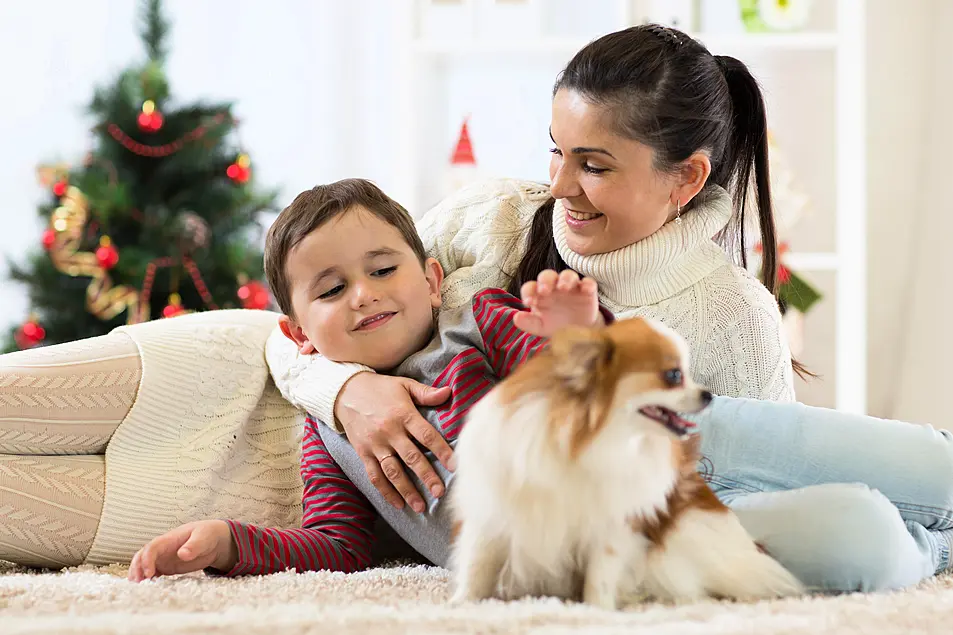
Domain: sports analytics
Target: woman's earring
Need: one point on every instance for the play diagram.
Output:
(678, 211)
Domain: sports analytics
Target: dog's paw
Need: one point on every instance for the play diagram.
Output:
(462, 596)
(600, 599)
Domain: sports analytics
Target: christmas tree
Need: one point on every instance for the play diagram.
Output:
(160, 218)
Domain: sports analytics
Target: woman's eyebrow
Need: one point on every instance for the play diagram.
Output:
(583, 149)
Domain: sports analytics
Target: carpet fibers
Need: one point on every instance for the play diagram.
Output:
(397, 600)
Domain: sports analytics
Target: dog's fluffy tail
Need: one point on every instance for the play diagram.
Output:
(708, 553)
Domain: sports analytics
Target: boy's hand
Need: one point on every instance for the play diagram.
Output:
(556, 301)
(191, 547)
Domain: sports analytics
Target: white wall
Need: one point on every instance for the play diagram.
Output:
(900, 44)
(925, 337)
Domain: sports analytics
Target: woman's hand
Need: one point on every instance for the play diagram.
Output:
(556, 301)
(379, 414)
(190, 547)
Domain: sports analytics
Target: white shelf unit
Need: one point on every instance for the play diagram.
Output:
(422, 58)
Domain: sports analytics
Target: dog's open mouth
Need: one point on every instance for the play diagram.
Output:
(668, 418)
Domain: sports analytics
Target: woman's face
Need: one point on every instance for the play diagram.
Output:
(612, 193)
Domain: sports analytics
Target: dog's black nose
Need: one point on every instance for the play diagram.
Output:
(706, 397)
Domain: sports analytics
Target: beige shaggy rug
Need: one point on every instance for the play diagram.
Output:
(397, 600)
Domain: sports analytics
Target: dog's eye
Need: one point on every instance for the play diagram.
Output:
(673, 377)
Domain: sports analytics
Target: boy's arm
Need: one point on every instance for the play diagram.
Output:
(507, 346)
(337, 523)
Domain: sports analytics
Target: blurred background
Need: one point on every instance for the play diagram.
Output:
(422, 95)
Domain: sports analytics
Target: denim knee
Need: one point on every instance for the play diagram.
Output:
(836, 537)
(872, 549)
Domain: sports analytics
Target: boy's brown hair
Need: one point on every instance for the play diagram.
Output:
(313, 208)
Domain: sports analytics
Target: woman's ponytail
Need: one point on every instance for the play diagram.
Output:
(746, 156)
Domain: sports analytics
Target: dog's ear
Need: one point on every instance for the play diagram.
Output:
(579, 354)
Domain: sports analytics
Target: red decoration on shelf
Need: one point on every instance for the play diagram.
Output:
(59, 188)
(106, 255)
(254, 295)
(240, 171)
(463, 153)
(48, 239)
(29, 335)
(159, 151)
(174, 307)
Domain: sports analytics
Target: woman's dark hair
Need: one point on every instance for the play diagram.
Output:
(668, 92)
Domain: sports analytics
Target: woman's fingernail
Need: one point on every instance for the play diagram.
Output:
(437, 491)
(418, 505)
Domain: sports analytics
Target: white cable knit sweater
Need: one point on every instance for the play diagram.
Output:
(679, 276)
(209, 435)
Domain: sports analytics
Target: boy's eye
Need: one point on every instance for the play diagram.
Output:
(386, 271)
(330, 293)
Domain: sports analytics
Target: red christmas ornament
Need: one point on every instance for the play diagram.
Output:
(59, 188)
(240, 171)
(150, 119)
(254, 295)
(48, 239)
(174, 307)
(106, 254)
(29, 335)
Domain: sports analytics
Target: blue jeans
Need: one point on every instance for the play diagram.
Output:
(846, 502)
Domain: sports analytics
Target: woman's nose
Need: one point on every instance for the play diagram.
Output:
(564, 184)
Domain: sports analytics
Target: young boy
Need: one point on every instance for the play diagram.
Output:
(354, 283)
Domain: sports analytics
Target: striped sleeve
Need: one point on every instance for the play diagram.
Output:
(337, 523)
(506, 346)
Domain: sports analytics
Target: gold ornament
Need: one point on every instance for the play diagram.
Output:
(103, 300)
(48, 174)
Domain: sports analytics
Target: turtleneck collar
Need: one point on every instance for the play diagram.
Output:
(660, 266)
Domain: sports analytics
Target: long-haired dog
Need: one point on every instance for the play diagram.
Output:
(576, 478)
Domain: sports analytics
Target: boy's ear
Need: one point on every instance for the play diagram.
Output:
(296, 334)
(434, 273)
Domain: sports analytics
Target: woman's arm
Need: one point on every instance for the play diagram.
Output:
(309, 382)
(476, 234)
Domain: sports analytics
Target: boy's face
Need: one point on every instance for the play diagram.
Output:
(359, 293)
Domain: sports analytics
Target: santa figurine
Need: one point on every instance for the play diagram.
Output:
(463, 167)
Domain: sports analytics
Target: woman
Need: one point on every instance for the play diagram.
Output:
(650, 132)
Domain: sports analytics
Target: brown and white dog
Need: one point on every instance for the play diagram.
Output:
(575, 478)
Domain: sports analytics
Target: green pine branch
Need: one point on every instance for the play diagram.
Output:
(154, 30)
